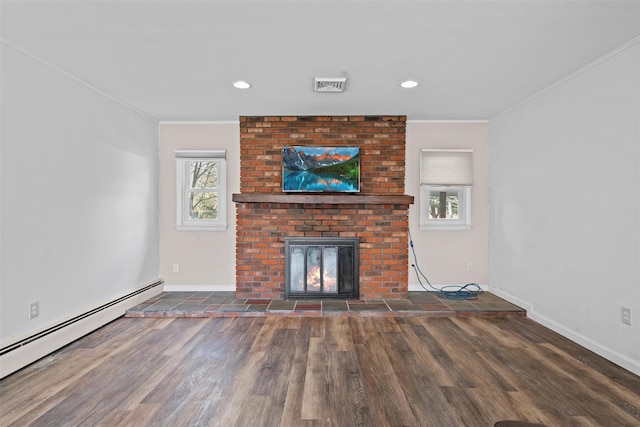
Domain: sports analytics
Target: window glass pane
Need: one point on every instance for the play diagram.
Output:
(444, 204)
(296, 269)
(330, 269)
(203, 205)
(313, 269)
(347, 268)
(204, 175)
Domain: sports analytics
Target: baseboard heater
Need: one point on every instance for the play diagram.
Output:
(52, 329)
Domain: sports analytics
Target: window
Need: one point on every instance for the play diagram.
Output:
(201, 190)
(445, 208)
(445, 189)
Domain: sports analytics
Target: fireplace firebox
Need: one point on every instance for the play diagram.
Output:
(321, 267)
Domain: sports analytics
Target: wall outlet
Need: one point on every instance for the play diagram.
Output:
(626, 315)
(470, 266)
(34, 310)
(176, 268)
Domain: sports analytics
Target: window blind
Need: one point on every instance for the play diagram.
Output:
(446, 166)
(201, 154)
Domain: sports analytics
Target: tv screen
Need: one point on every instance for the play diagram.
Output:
(321, 169)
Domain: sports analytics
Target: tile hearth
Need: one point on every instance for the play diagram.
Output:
(225, 304)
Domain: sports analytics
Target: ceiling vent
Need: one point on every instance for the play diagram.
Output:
(335, 84)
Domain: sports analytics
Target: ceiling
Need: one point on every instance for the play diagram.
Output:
(177, 60)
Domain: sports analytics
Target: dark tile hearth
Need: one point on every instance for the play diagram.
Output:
(225, 304)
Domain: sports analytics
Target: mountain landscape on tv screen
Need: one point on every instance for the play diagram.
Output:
(318, 169)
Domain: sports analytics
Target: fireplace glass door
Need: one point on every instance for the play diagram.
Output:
(321, 267)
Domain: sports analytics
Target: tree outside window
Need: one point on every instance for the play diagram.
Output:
(203, 195)
(443, 204)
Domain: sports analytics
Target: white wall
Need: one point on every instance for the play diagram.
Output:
(444, 256)
(79, 197)
(206, 259)
(565, 206)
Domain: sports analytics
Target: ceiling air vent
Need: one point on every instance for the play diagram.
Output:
(335, 84)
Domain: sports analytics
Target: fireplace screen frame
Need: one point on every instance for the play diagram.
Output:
(292, 243)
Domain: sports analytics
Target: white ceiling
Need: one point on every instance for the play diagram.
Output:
(176, 60)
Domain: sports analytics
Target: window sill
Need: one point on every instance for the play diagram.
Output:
(201, 227)
(448, 227)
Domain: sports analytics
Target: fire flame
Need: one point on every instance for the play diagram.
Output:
(313, 281)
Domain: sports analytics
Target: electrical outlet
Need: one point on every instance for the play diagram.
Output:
(626, 315)
(470, 266)
(34, 310)
(176, 268)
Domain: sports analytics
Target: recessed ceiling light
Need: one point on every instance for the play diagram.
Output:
(241, 85)
(409, 84)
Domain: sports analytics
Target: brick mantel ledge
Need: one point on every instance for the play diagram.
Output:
(327, 199)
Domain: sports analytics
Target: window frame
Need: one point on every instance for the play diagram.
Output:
(463, 222)
(183, 159)
(449, 170)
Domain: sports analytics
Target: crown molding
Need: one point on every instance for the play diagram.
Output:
(199, 122)
(234, 122)
(570, 76)
(78, 80)
(449, 121)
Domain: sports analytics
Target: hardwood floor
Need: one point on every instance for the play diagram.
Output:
(401, 371)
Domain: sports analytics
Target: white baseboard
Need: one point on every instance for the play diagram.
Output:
(40, 346)
(612, 356)
(513, 300)
(198, 288)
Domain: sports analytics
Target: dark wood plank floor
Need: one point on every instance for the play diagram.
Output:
(402, 371)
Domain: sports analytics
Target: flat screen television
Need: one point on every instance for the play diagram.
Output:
(321, 169)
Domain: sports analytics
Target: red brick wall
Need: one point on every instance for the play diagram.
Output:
(382, 229)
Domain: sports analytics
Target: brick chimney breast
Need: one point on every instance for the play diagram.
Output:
(382, 226)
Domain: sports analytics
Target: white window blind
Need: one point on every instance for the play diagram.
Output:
(446, 167)
(201, 154)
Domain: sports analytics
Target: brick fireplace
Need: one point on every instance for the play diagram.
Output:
(377, 215)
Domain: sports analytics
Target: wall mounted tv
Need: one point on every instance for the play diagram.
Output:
(321, 169)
